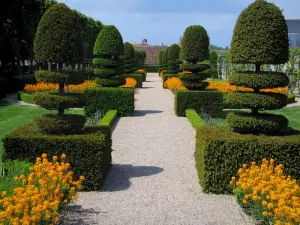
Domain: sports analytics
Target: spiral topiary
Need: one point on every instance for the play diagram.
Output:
(195, 49)
(129, 58)
(260, 37)
(109, 53)
(58, 40)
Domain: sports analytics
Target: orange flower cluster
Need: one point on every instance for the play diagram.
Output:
(225, 87)
(185, 72)
(41, 87)
(266, 190)
(141, 71)
(174, 83)
(39, 197)
(161, 73)
(130, 82)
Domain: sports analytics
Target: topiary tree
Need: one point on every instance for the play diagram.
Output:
(129, 55)
(173, 59)
(165, 59)
(195, 49)
(58, 41)
(160, 58)
(260, 37)
(214, 63)
(108, 55)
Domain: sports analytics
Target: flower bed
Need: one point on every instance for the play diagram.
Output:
(269, 195)
(38, 198)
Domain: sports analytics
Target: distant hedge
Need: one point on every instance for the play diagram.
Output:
(221, 152)
(151, 68)
(210, 102)
(105, 99)
(88, 154)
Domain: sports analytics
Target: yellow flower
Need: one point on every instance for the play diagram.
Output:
(63, 156)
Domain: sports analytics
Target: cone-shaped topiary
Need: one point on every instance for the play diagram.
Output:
(108, 53)
(59, 41)
(260, 37)
(160, 58)
(129, 57)
(173, 59)
(165, 59)
(195, 49)
(214, 63)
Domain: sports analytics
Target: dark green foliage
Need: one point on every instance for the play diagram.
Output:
(129, 57)
(195, 85)
(291, 98)
(63, 77)
(221, 152)
(138, 77)
(53, 101)
(113, 82)
(144, 75)
(104, 99)
(139, 59)
(160, 57)
(58, 37)
(194, 118)
(210, 102)
(108, 53)
(214, 63)
(29, 78)
(259, 81)
(262, 101)
(3, 87)
(105, 123)
(88, 154)
(151, 68)
(173, 52)
(194, 44)
(56, 124)
(25, 97)
(260, 35)
(165, 59)
(271, 124)
(174, 66)
(213, 56)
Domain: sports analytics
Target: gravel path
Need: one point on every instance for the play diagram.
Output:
(153, 180)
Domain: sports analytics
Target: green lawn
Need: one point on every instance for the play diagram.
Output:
(14, 115)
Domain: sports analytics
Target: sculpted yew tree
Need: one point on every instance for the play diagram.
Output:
(173, 59)
(260, 37)
(129, 55)
(194, 50)
(59, 43)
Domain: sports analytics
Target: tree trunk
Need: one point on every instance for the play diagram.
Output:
(257, 68)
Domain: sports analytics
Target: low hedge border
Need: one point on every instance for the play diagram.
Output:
(138, 77)
(89, 154)
(194, 118)
(105, 123)
(291, 98)
(220, 153)
(210, 102)
(25, 97)
(105, 99)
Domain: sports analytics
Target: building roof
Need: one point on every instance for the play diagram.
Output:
(293, 25)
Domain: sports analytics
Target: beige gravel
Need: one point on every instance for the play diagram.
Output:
(153, 180)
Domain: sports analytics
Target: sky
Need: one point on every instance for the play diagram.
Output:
(164, 21)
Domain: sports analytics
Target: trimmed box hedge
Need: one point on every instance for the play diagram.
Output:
(194, 118)
(25, 97)
(210, 102)
(89, 154)
(138, 77)
(105, 123)
(105, 99)
(221, 152)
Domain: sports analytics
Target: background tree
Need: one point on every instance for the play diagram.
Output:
(259, 28)
(58, 41)
(108, 55)
(165, 59)
(139, 59)
(214, 63)
(194, 49)
(160, 57)
(173, 59)
(129, 58)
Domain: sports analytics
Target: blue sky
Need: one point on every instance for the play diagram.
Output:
(164, 21)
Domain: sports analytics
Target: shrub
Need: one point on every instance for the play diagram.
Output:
(173, 59)
(194, 118)
(144, 74)
(129, 57)
(25, 97)
(108, 53)
(291, 98)
(138, 77)
(165, 59)
(209, 102)
(130, 82)
(29, 78)
(220, 153)
(259, 28)
(89, 154)
(121, 99)
(160, 58)
(214, 63)
(269, 195)
(112, 82)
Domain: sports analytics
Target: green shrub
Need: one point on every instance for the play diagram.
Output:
(25, 97)
(210, 102)
(243, 122)
(291, 98)
(144, 75)
(55, 124)
(29, 78)
(129, 57)
(138, 77)
(194, 118)
(221, 152)
(88, 154)
(105, 99)
(160, 58)
(113, 82)
(105, 123)
(151, 68)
